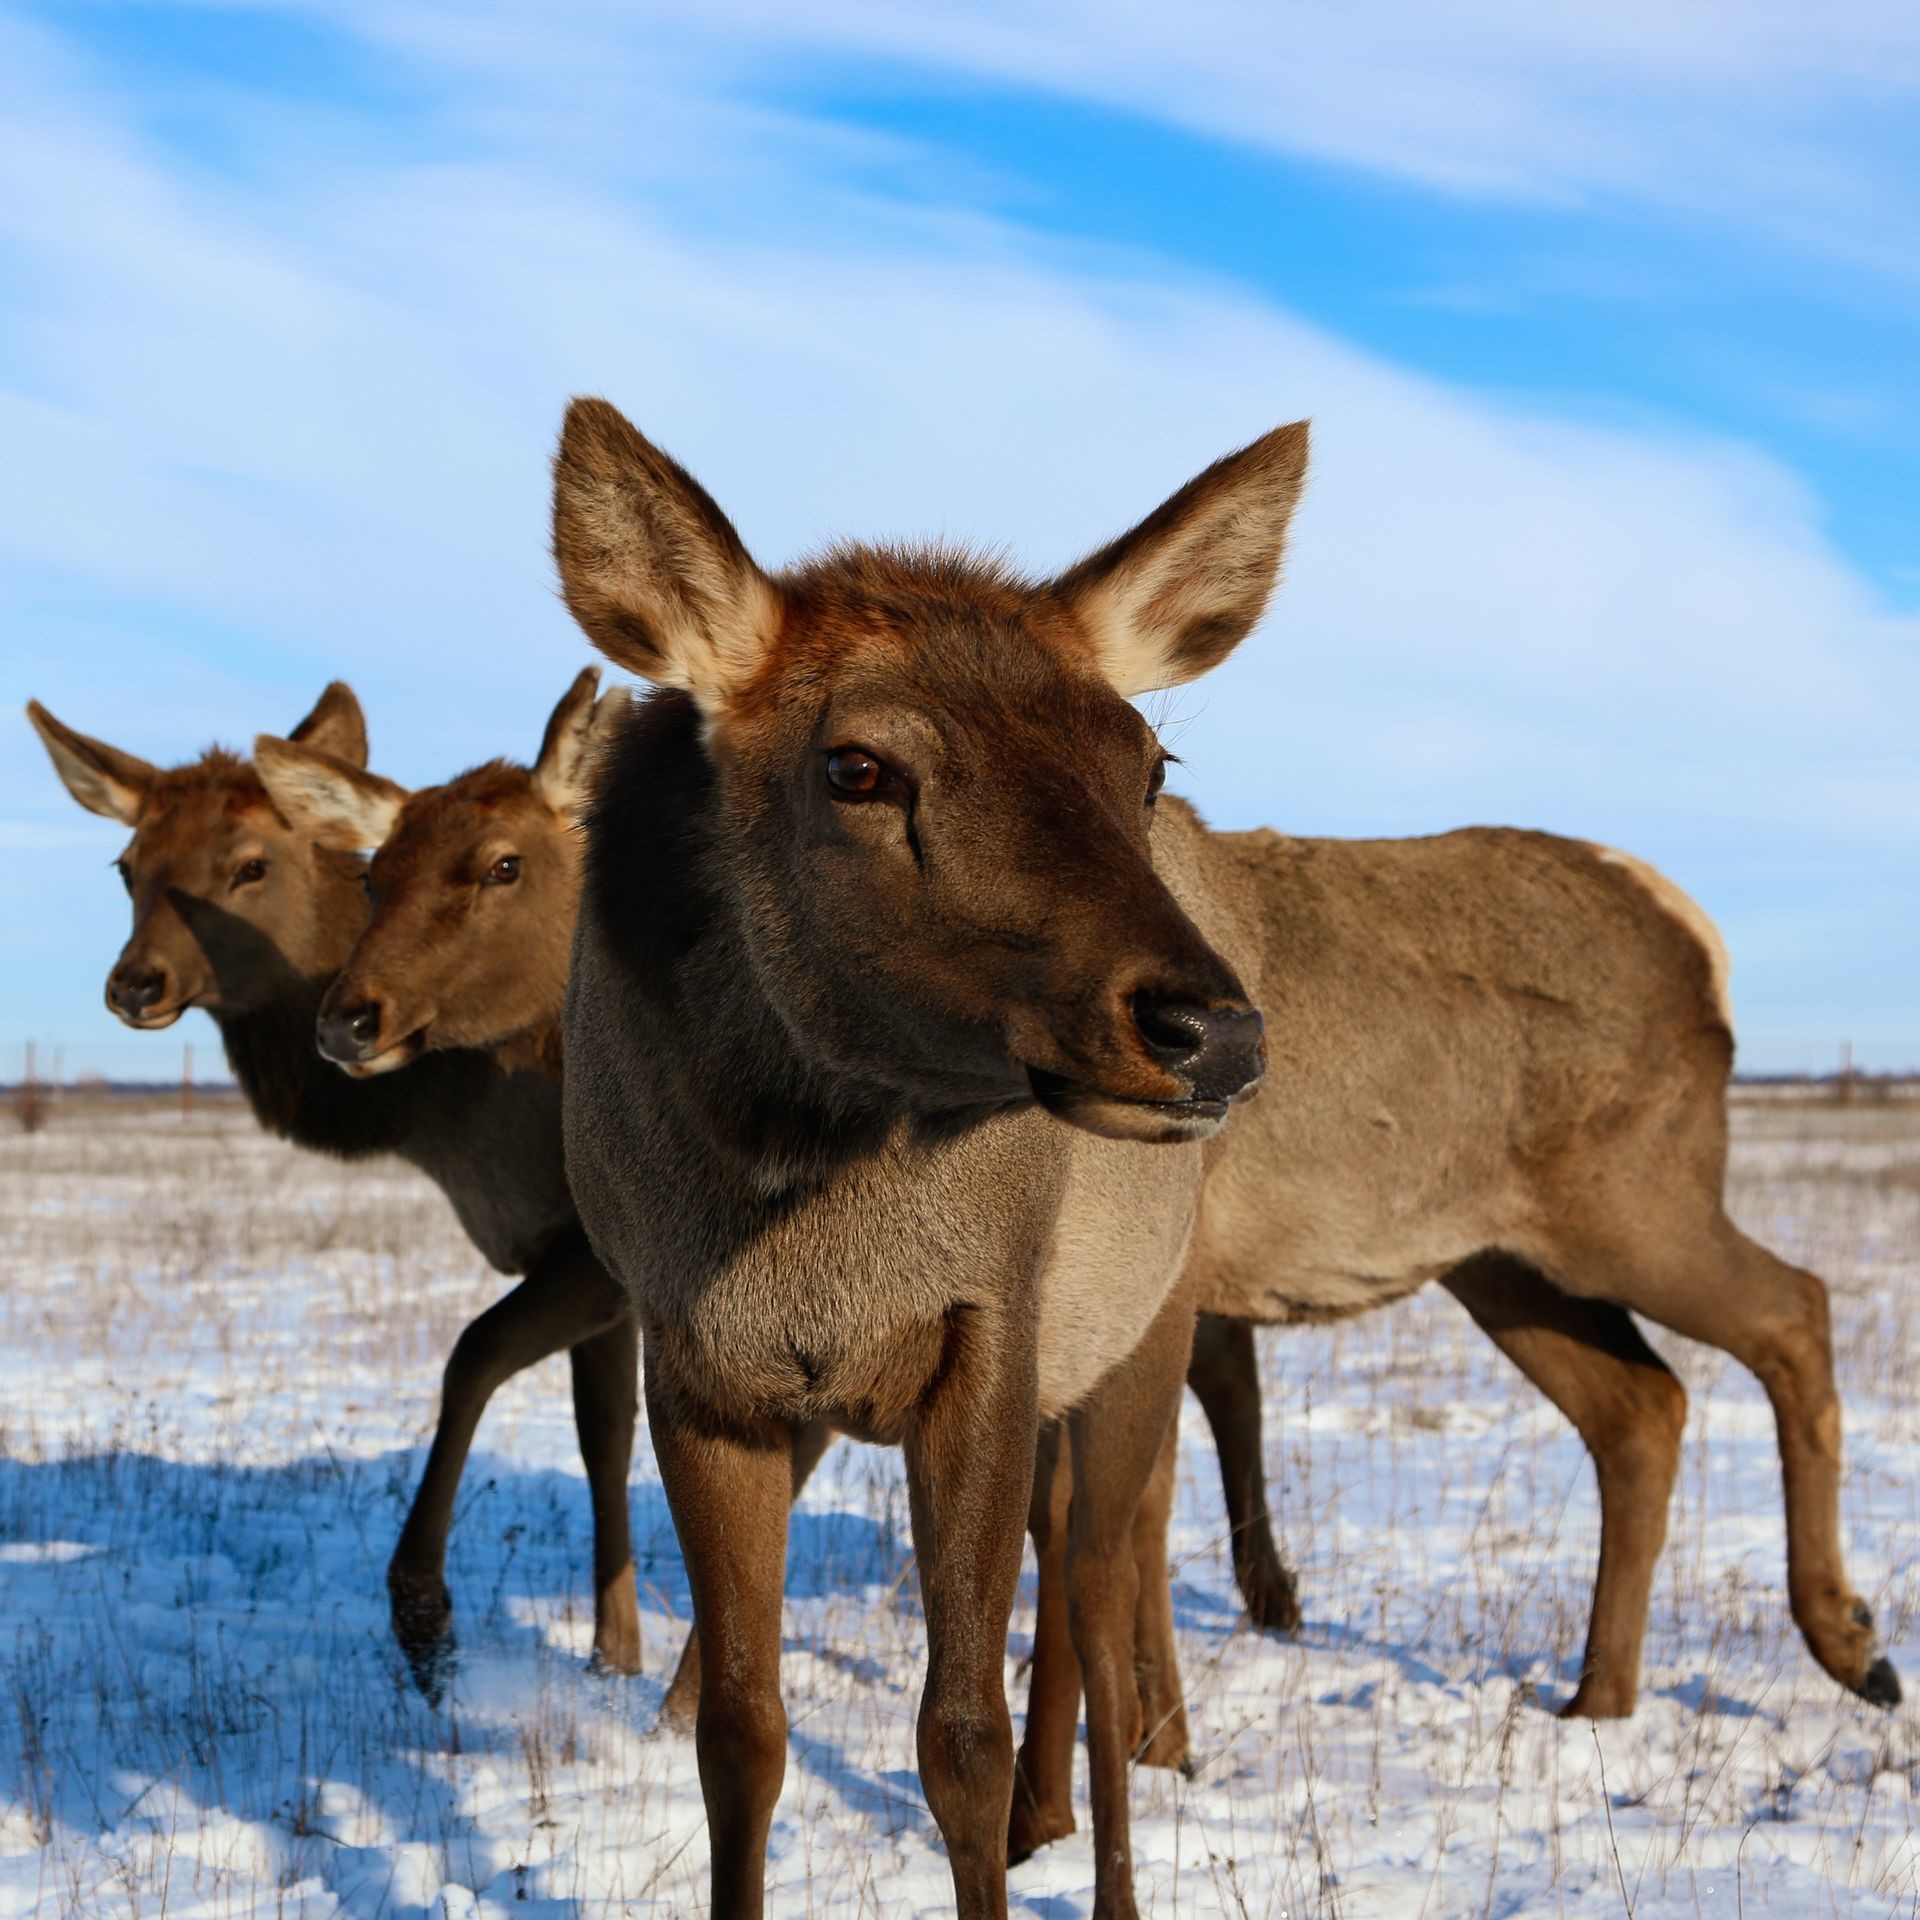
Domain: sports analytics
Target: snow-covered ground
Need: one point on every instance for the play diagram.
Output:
(218, 1360)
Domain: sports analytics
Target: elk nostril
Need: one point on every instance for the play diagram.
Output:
(1175, 1030)
(1216, 1050)
(349, 1036)
(135, 992)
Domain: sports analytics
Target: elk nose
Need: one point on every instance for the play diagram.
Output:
(349, 1036)
(1215, 1050)
(132, 990)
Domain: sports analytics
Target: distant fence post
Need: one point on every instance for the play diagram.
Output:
(186, 1082)
(1843, 1082)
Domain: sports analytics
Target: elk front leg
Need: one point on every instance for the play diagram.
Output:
(606, 1404)
(970, 1454)
(1156, 1659)
(1116, 1435)
(1590, 1360)
(681, 1706)
(1043, 1772)
(1225, 1377)
(564, 1300)
(729, 1491)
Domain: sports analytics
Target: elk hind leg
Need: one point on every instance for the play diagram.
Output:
(606, 1405)
(1590, 1360)
(1711, 1283)
(1117, 1434)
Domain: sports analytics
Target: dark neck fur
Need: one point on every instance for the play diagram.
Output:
(656, 883)
(295, 1093)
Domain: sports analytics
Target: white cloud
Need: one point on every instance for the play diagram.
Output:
(321, 418)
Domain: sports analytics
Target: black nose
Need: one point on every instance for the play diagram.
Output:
(1215, 1050)
(349, 1035)
(132, 990)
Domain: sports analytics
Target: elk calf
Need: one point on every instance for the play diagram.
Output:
(902, 1031)
(242, 913)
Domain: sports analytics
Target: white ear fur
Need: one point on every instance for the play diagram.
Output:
(102, 778)
(651, 568)
(336, 804)
(1167, 601)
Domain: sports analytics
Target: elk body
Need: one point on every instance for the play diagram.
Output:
(241, 913)
(902, 1030)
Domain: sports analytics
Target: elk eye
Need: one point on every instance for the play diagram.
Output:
(504, 871)
(249, 872)
(1155, 781)
(854, 775)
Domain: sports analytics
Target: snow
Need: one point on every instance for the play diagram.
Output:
(218, 1365)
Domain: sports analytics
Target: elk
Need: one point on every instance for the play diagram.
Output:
(239, 912)
(905, 1028)
(475, 888)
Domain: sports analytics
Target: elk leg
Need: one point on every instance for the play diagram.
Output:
(970, 1456)
(1590, 1360)
(1043, 1772)
(606, 1404)
(680, 1707)
(1156, 1660)
(1716, 1285)
(1225, 1379)
(1117, 1434)
(729, 1491)
(562, 1301)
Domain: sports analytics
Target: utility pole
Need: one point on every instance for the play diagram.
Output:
(186, 1083)
(1843, 1087)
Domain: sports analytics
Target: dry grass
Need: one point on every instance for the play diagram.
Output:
(220, 1358)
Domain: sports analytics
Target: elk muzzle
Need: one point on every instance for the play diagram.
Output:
(357, 1039)
(140, 993)
(1215, 1050)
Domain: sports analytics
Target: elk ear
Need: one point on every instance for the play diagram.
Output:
(102, 778)
(336, 725)
(650, 567)
(322, 796)
(560, 773)
(1175, 596)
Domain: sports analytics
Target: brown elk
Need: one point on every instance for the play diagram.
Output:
(902, 1034)
(475, 887)
(241, 913)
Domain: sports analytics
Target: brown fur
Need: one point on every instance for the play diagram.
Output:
(817, 1066)
(258, 953)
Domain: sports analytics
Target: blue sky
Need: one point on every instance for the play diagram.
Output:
(1610, 328)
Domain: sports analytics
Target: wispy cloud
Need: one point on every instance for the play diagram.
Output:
(309, 402)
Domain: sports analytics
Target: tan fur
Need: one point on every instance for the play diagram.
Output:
(1691, 915)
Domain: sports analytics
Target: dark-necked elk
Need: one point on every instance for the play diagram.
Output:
(903, 1035)
(475, 886)
(240, 912)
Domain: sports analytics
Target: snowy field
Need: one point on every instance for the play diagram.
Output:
(220, 1362)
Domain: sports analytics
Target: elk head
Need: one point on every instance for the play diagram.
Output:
(475, 886)
(932, 802)
(230, 903)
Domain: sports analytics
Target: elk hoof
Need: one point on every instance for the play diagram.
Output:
(1272, 1599)
(1881, 1685)
(423, 1626)
(1033, 1827)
